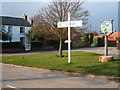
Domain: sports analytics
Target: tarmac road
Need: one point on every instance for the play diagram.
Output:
(19, 77)
(100, 50)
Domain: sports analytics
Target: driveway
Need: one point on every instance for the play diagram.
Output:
(100, 50)
(21, 77)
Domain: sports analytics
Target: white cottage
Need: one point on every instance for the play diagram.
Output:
(18, 30)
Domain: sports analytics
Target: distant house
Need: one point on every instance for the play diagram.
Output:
(113, 36)
(98, 41)
(17, 30)
(111, 39)
(76, 40)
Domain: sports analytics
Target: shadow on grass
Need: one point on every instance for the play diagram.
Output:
(116, 60)
(101, 69)
(71, 63)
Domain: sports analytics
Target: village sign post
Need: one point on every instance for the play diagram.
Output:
(106, 27)
(69, 24)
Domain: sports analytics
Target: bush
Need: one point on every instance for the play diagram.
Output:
(53, 42)
(37, 44)
(117, 38)
(12, 45)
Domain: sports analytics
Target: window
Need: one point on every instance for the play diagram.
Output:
(21, 29)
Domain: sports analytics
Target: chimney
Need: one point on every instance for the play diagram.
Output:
(31, 22)
(25, 16)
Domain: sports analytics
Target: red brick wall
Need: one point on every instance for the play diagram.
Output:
(111, 42)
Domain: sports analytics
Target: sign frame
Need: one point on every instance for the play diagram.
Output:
(72, 24)
(106, 27)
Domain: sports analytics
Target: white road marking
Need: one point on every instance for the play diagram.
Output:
(11, 86)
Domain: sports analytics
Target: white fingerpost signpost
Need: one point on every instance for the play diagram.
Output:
(69, 24)
(106, 28)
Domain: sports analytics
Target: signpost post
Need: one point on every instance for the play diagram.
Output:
(106, 45)
(69, 37)
(69, 24)
(106, 28)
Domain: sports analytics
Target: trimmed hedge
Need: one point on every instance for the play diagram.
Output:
(117, 38)
(12, 45)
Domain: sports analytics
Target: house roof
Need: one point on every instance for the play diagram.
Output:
(113, 36)
(14, 21)
(98, 36)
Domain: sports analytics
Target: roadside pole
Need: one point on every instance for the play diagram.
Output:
(69, 40)
(106, 45)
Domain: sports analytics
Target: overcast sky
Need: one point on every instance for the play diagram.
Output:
(98, 10)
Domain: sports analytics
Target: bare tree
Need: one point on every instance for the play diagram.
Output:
(57, 12)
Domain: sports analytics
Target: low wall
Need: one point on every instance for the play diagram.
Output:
(12, 47)
(13, 50)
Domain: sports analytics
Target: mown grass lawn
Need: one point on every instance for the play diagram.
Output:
(82, 62)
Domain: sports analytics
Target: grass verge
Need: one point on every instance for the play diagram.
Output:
(81, 62)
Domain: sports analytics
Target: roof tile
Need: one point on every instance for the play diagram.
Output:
(14, 21)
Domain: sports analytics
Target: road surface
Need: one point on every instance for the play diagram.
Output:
(19, 77)
(100, 50)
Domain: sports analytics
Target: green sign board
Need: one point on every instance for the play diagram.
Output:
(106, 26)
